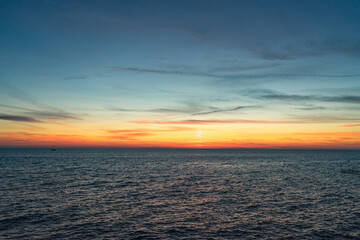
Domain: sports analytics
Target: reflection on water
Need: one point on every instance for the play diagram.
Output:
(177, 194)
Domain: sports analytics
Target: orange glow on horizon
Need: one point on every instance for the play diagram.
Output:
(184, 138)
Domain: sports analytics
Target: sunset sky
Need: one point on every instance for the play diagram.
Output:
(194, 74)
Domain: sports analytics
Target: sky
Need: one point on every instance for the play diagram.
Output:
(184, 74)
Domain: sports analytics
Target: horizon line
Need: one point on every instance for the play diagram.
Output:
(175, 148)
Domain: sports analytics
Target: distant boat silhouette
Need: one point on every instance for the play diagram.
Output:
(53, 149)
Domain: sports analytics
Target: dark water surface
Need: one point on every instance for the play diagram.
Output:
(178, 194)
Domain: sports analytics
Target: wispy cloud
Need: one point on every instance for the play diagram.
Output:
(44, 114)
(145, 130)
(162, 71)
(172, 110)
(243, 68)
(193, 110)
(76, 77)
(267, 94)
(345, 99)
(17, 138)
(241, 121)
(222, 73)
(132, 134)
(17, 118)
(54, 115)
(31, 115)
(38, 116)
(286, 97)
(311, 48)
(184, 107)
(15, 107)
(325, 118)
(354, 125)
(310, 108)
(231, 76)
(119, 109)
(155, 110)
(225, 110)
(19, 94)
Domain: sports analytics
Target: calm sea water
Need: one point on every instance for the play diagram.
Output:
(178, 194)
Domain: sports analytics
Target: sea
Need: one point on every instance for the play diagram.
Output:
(178, 194)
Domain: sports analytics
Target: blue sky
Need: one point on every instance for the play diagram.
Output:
(115, 63)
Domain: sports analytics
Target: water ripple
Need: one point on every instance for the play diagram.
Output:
(177, 194)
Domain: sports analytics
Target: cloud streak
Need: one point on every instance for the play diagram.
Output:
(216, 73)
(241, 121)
(14, 107)
(133, 134)
(311, 48)
(267, 94)
(225, 110)
(78, 77)
(142, 130)
(251, 76)
(49, 115)
(17, 118)
(354, 125)
(286, 97)
(19, 94)
(192, 109)
(54, 115)
(312, 108)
